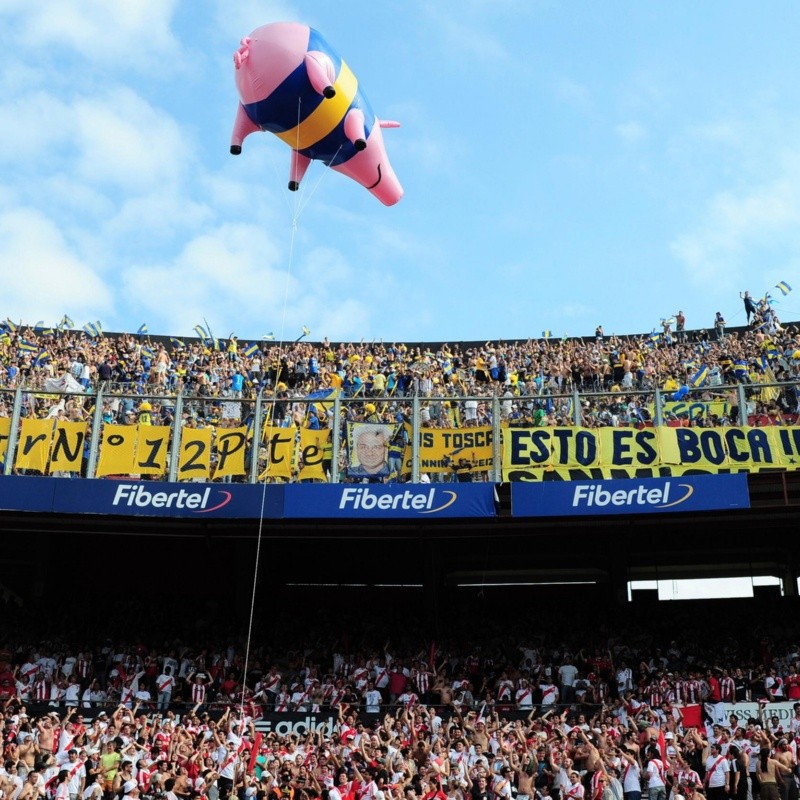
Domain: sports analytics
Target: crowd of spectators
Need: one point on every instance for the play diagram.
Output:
(544, 711)
(534, 380)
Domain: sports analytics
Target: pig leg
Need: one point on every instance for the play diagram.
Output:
(354, 128)
(242, 127)
(321, 73)
(297, 170)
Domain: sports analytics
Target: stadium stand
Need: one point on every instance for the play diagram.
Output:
(127, 668)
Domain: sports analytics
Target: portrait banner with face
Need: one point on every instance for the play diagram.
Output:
(368, 449)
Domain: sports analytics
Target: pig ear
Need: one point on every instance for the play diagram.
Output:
(321, 73)
(242, 53)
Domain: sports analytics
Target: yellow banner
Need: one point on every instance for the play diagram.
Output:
(606, 473)
(152, 447)
(628, 451)
(5, 430)
(33, 447)
(117, 450)
(440, 450)
(280, 444)
(231, 449)
(66, 454)
(312, 451)
(691, 409)
(194, 458)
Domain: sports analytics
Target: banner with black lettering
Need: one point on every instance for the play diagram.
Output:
(231, 446)
(312, 453)
(67, 451)
(448, 449)
(5, 430)
(117, 450)
(582, 453)
(152, 448)
(280, 444)
(33, 447)
(194, 458)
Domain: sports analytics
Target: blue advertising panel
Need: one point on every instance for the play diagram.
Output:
(389, 501)
(630, 496)
(140, 498)
(24, 493)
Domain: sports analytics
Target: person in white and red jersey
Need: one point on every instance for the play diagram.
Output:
(165, 684)
(524, 696)
(575, 789)
(271, 686)
(727, 687)
(630, 774)
(718, 778)
(682, 775)
(549, 692)
(773, 684)
(199, 689)
(656, 776)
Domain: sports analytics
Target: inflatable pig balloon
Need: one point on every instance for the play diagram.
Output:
(292, 83)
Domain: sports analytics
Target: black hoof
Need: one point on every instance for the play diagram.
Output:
(329, 92)
(360, 144)
(294, 186)
(236, 149)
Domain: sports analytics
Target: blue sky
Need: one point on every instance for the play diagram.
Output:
(564, 164)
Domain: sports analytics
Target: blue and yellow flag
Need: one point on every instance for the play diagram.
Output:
(147, 352)
(700, 377)
(93, 329)
(201, 332)
(784, 287)
(10, 326)
(176, 342)
(27, 347)
(40, 359)
(770, 349)
(251, 350)
(546, 334)
(142, 329)
(66, 322)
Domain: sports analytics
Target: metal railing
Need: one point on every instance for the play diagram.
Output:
(261, 415)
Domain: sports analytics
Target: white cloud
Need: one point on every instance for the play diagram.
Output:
(573, 93)
(124, 33)
(115, 139)
(237, 272)
(43, 276)
(26, 139)
(123, 140)
(738, 226)
(631, 131)
(469, 38)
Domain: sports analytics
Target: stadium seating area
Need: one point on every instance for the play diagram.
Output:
(114, 690)
(763, 352)
(166, 709)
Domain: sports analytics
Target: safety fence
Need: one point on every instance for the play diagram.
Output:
(326, 438)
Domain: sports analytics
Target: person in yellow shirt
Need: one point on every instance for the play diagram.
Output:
(670, 384)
